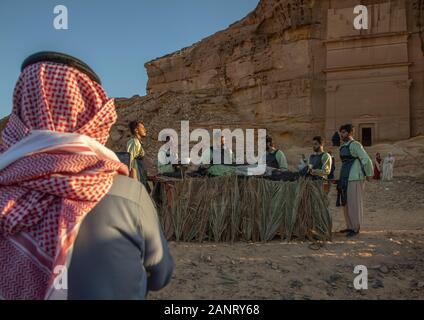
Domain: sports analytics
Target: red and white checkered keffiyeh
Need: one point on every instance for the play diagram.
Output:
(45, 195)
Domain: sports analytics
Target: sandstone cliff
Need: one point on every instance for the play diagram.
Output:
(260, 68)
(258, 73)
(270, 70)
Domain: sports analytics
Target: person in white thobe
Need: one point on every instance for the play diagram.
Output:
(388, 165)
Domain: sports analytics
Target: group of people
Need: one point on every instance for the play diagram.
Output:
(383, 169)
(356, 167)
(68, 201)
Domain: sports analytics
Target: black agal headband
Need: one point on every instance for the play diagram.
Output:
(57, 57)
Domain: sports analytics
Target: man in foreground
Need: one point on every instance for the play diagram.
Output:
(66, 202)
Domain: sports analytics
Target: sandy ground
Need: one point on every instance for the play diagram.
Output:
(391, 246)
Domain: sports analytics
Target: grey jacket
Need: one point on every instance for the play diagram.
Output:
(120, 251)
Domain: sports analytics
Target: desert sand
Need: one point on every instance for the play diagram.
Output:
(390, 245)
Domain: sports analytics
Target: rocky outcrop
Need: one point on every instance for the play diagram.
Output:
(270, 70)
(278, 68)
(281, 68)
(261, 68)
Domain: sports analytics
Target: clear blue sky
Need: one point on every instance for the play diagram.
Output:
(115, 37)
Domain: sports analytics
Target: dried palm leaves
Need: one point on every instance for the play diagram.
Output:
(235, 208)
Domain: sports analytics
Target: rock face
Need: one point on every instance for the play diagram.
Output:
(262, 68)
(299, 68)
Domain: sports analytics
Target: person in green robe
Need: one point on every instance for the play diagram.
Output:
(275, 158)
(320, 163)
(356, 168)
(135, 148)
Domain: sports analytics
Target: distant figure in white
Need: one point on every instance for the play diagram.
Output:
(388, 165)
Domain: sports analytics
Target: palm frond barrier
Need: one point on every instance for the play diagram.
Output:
(233, 208)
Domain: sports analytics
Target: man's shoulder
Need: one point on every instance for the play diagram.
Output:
(326, 155)
(130, 141)
(356, 143)
(352, 144)
(280, 152)
(127, 188)
(133, 140)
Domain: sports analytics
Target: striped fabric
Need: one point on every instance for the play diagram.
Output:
(45, 195)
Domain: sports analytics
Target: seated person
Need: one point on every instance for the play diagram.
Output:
(225, 154)
(275, 158)
(166, 157)
(319, 161)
